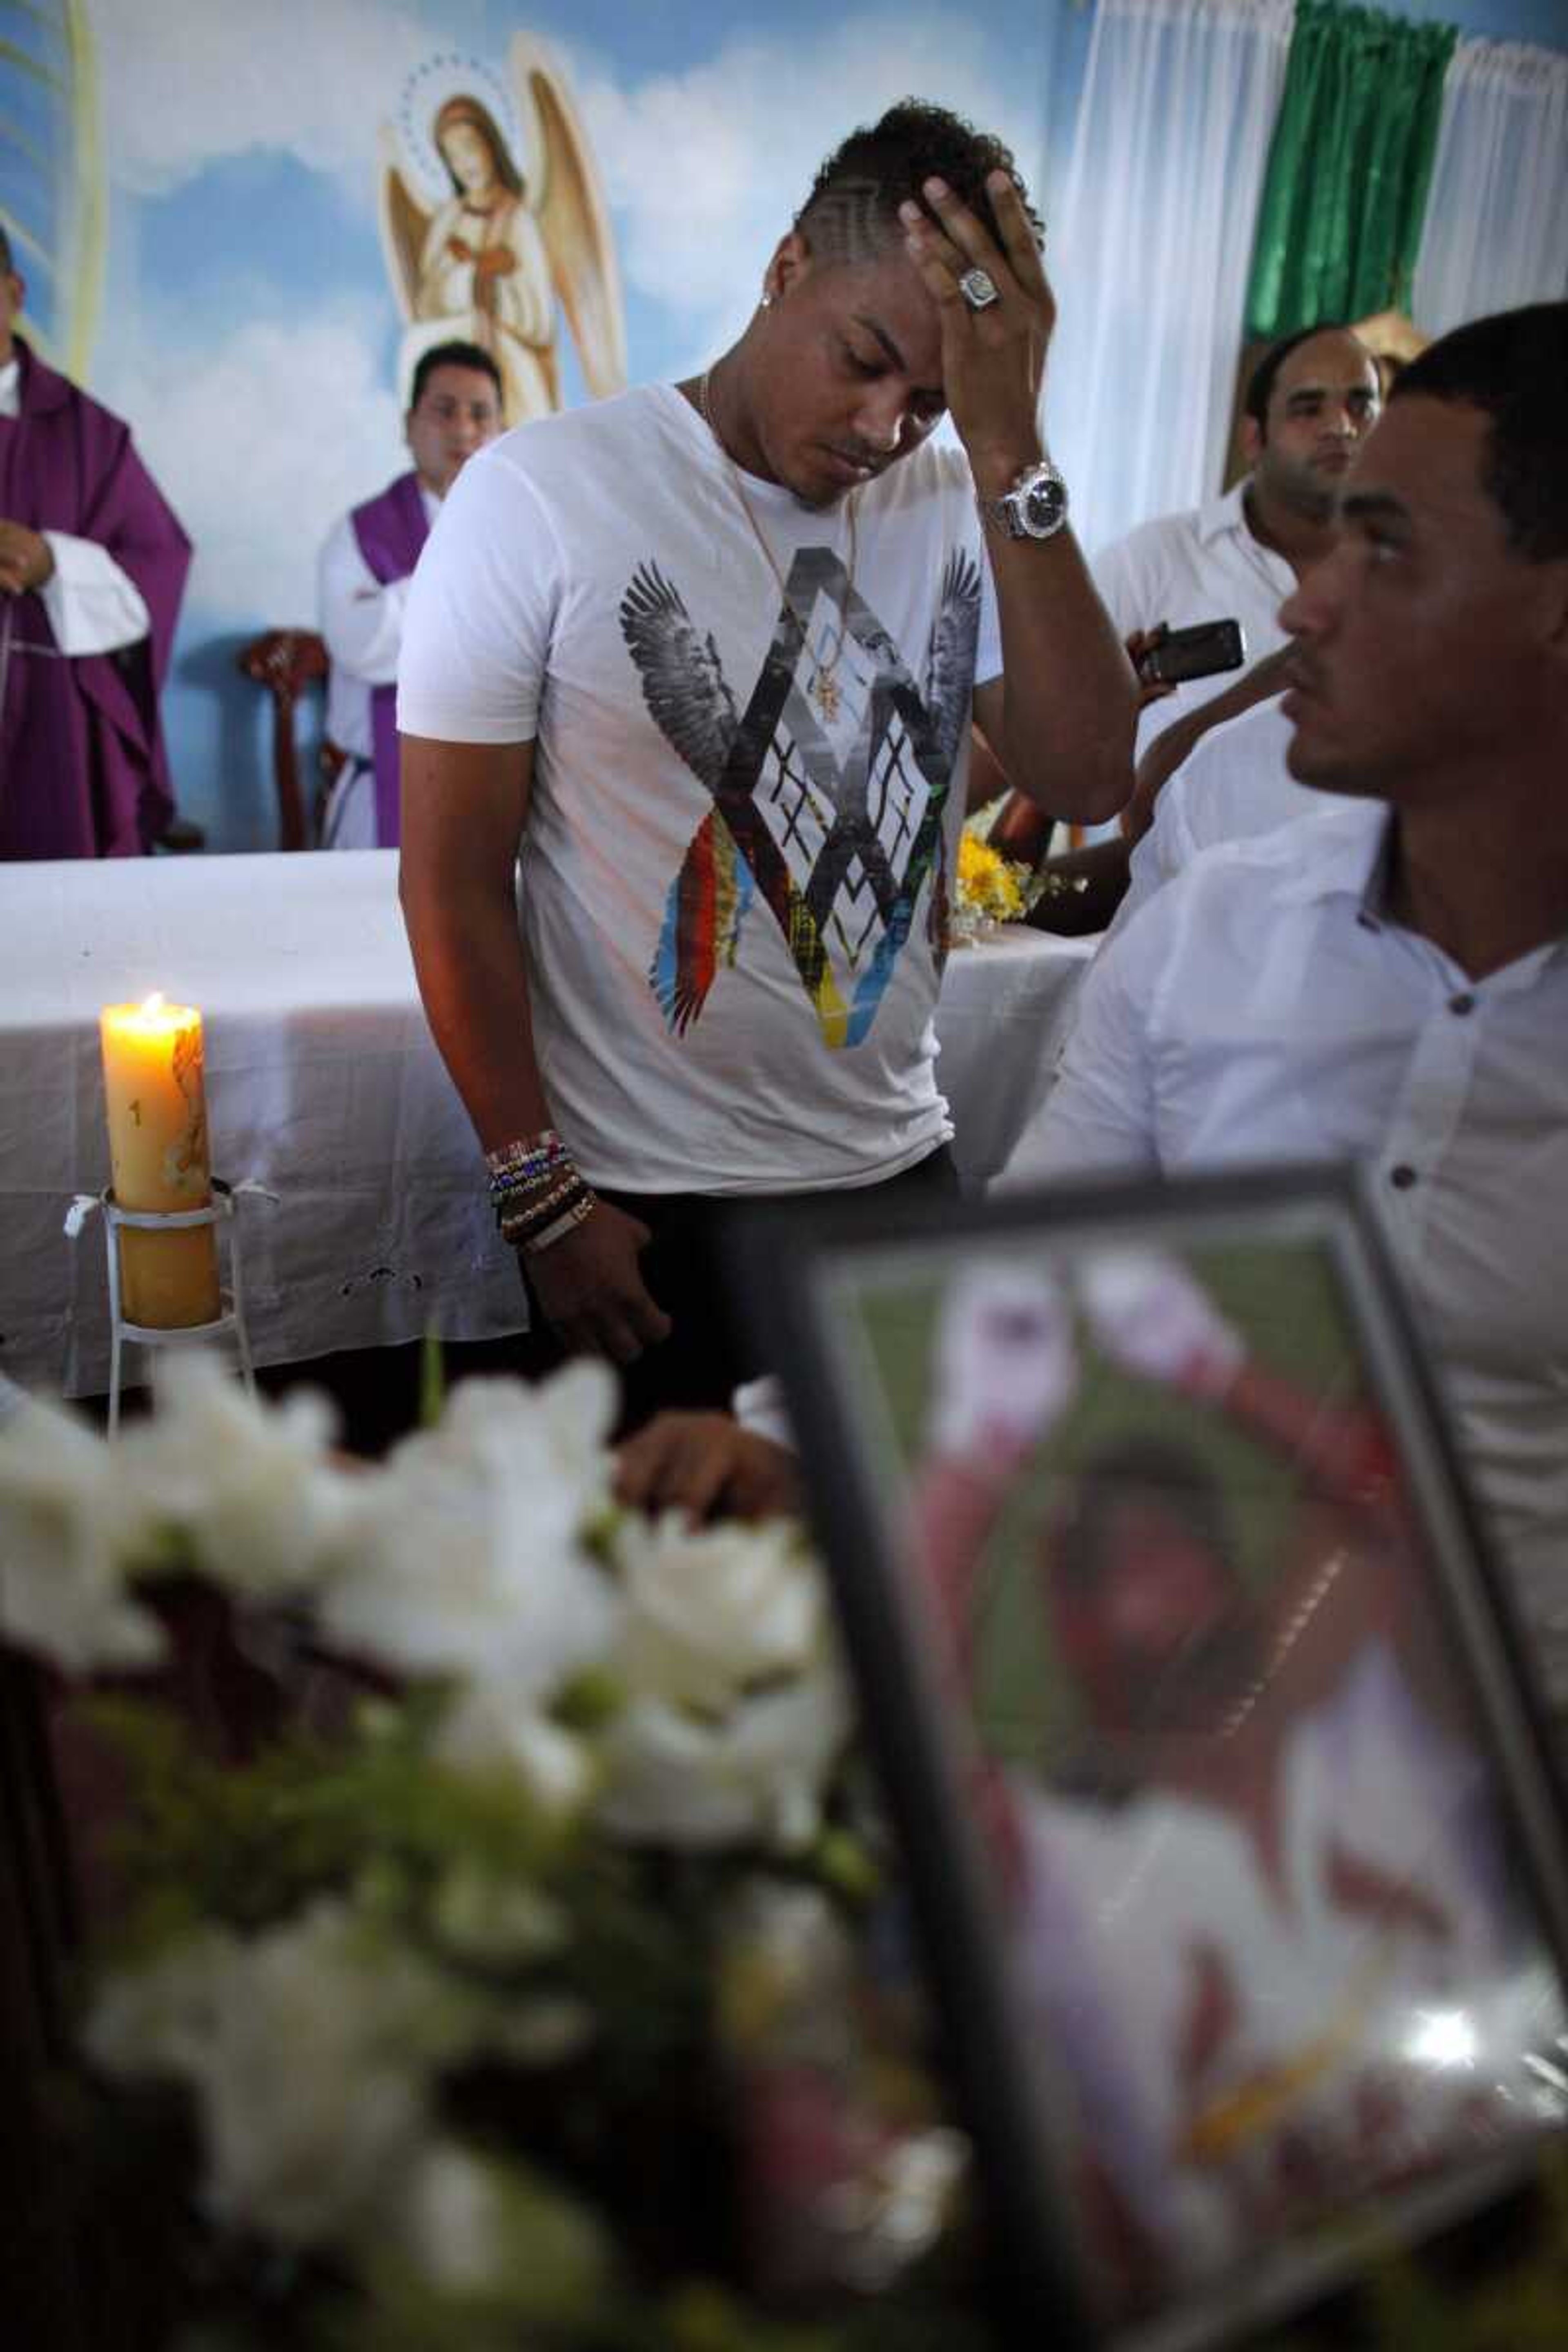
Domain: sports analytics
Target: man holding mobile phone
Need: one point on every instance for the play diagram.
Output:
(1308, 404)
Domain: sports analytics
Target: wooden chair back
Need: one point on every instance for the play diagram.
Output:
(286, 662)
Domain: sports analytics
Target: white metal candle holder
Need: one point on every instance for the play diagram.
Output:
(230, 1321)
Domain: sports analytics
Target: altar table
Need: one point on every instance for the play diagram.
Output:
(323, 1084)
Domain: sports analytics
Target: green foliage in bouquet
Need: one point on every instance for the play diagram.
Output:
(478, 1872)
(480, 1875)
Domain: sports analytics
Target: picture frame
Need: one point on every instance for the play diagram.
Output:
(1232, 1831)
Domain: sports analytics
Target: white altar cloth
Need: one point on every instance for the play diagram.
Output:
(324, 1086)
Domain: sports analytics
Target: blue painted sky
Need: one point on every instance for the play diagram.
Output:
(249, 306)
(248, 328)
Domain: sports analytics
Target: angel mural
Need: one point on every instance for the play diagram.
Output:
(516, 225)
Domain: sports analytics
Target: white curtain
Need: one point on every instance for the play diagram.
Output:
(1150, 251)
(1497, 219)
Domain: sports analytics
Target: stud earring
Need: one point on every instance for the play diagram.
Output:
(767, 302)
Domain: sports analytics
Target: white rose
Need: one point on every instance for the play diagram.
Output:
(576, 1411)
(710, 1610)
(481, 1582)
(248, 1482)
(69, 1536)
(559, 1429)
(466, 1560)
(464, 1556)
(309, 2054)
(755, 1775)
(493, 1729)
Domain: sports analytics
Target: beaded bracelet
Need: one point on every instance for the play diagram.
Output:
(523, 1148)
(525, 1203)
(525, 1159)
(520, 1194)
(537, 1191)
(519, 1224)
(563, 1225)
(523, 1237)
(536, 1172)
(528, 1172)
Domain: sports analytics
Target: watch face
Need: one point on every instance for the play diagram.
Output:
(1044, 503)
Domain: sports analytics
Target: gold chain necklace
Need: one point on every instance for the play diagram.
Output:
(824, 688)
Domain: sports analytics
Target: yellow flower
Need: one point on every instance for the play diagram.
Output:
(989, 885)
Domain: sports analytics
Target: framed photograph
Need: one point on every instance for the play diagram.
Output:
(1230, 1827)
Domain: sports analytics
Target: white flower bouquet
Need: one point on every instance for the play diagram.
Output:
(466, 1980)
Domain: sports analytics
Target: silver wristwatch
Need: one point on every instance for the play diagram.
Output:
(1035, 508)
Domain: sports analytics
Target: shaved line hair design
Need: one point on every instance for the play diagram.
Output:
(851, 217)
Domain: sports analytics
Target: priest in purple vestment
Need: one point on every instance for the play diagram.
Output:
(92, 565)
(455, 407)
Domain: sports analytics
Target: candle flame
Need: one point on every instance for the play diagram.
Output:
(154, 1017)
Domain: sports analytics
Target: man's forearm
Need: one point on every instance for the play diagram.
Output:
(1069, 700)
(472, 978)
(1176, 745)
(1061, 716)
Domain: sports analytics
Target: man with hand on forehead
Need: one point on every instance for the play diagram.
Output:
(709, 654)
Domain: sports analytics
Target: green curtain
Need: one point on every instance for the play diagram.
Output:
(1340, 222)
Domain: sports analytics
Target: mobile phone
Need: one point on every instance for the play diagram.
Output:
(1197, 652)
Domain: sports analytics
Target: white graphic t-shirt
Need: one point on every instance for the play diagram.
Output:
(746, 796)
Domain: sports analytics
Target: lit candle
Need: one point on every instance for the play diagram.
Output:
(158, 1153)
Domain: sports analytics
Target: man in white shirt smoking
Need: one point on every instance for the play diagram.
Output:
(1387, 981)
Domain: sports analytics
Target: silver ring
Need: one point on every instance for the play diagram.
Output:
(979, 288)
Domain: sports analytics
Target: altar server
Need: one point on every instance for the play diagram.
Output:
(453, 409)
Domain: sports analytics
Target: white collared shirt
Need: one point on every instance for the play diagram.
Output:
(1204, 565)
(1260, 1009)
(1231, 785)
(93, 606)
(362, 621)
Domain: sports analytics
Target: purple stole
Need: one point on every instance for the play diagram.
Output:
(391, 530)
(82, 767)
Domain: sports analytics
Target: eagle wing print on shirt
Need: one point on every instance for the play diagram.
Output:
(948, 693)
(949, 656)
(835, 822)
(683, 685)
